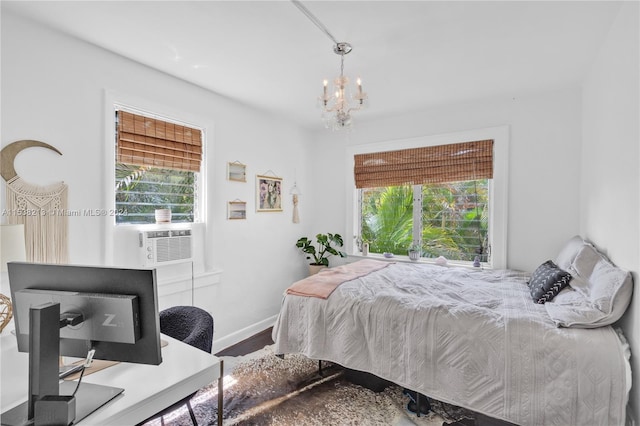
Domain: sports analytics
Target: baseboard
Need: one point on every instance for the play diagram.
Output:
(223, 342)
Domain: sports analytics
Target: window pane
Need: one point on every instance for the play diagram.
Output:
(387, 218)
(455, 220)
(140, 190)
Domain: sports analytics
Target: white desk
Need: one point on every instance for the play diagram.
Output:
(147, 388)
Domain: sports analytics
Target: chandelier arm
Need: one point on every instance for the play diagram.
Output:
(313, 19)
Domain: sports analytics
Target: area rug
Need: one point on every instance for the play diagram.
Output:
(263, 389)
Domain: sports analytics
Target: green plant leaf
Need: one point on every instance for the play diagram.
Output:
(323, 248)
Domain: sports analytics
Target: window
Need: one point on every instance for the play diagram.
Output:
(447, 219)
(447, 196)
(157, 167)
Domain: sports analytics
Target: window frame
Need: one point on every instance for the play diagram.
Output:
(418, 216)
(198, 180)
(116, 100)
(498, 186)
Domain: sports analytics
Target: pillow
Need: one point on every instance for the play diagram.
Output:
(547, 281)
(568, 252)
(600, 281)
(613, 286)
(571, 309)
(585, 260)
(600, 294)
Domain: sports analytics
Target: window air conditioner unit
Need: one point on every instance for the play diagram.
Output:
(166, 247)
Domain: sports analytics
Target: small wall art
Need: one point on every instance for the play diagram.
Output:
(236, 171)
(237, 210)
(268, 193)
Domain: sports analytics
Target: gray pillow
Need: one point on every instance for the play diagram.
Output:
(599, 295)
(547, 281)
(569, 252)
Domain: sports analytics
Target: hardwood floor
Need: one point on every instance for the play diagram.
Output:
(251, 344)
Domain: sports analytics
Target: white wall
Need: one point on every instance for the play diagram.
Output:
(610, 178)
(544, 152)
(53, 90)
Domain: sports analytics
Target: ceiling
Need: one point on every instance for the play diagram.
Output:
(410, 55)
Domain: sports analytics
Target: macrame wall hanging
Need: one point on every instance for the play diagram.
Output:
(295, 192)
(42, 209)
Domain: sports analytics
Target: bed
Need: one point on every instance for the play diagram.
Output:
(480, 339)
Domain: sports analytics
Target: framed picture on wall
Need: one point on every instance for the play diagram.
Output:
(268, 194)
(237, 171)
(237, 210)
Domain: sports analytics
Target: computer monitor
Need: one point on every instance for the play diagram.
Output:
(69, 309)
(33, 283)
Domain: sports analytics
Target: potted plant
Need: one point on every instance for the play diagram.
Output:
(326, 244)
(415, 251)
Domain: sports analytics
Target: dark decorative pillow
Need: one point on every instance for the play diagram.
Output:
(547, 281)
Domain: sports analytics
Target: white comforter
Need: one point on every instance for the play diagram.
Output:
(469, 337)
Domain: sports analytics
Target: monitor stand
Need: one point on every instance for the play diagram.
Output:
(44, 352)
(89, 398)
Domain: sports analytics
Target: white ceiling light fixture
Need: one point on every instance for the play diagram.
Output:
(338, 104)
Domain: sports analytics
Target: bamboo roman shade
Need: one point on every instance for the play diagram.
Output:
(432, 164)
(145, 141)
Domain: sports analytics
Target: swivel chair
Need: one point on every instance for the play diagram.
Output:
(189, 324)
(193, 326)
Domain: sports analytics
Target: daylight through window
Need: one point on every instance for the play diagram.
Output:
(157, 167)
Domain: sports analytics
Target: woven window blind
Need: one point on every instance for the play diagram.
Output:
(145, 141)
(433, 164)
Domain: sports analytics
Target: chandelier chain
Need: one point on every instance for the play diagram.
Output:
(313, 19)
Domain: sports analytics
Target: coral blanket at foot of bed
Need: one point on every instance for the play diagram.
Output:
(324, 282)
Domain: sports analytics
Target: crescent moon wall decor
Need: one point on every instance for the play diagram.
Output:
(11, 151)
(42, 209)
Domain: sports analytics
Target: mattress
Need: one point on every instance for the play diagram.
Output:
(465, 336)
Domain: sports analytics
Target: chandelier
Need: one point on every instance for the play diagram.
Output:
(338, 105)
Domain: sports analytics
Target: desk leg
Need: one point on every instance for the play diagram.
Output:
(221, 393)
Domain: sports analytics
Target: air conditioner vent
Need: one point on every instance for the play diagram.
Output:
(166, 246)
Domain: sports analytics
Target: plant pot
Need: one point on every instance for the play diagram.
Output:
(414, 255)
(163, 215)
(314, 269)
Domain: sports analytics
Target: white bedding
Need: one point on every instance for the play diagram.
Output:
(469, 337)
